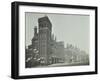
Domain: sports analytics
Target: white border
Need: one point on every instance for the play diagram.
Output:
(53, 70)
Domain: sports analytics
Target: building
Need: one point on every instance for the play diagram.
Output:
(75, 55)
(44, 49)
(60, 51)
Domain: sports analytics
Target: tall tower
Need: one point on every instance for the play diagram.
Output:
(45, 29)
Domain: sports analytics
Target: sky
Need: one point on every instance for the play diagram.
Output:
(70, 28)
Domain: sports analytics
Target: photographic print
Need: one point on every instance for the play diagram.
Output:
(56, 40)
(50, 40)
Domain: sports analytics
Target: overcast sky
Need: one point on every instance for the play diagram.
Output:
(72, 29)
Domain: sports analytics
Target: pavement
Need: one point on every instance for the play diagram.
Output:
(69, 64)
